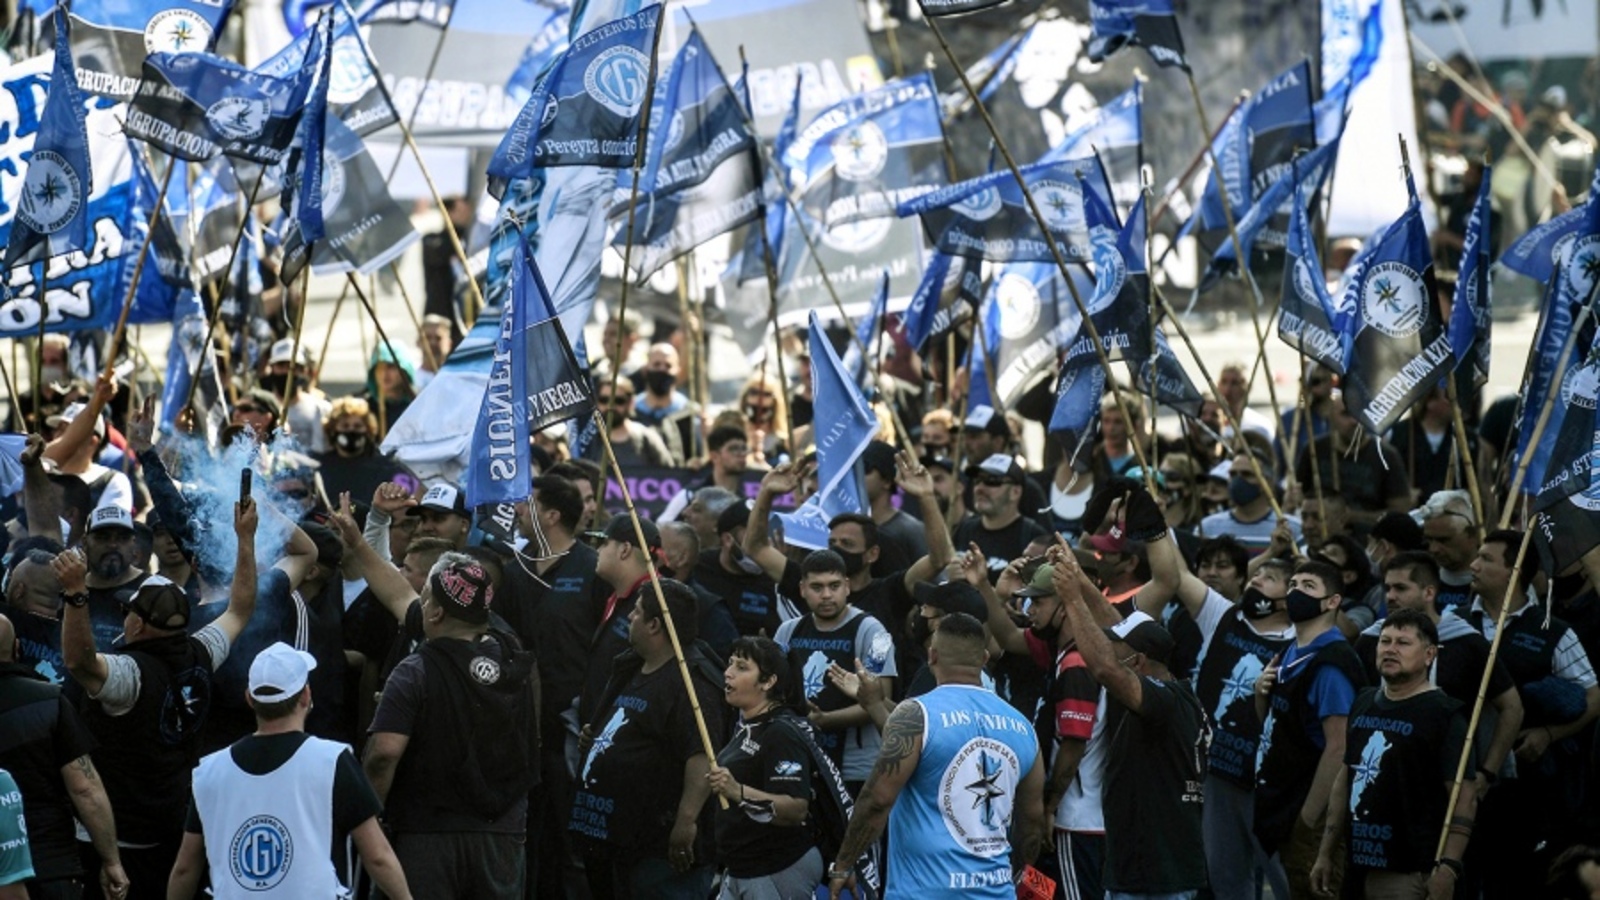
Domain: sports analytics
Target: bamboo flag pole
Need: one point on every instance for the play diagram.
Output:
(661, 599)
(327, 339)
(299, 329)
(1471, 470)
(227, 273)
(1038, 216)
(1256, 301)
(640, 148)
(1194, 165)
(138, 270)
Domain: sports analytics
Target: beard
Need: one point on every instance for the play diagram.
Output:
(111, 564)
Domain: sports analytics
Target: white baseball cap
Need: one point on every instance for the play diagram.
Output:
(279, 672)
(109, 515)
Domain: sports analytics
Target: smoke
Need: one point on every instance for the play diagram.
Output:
(209, 480)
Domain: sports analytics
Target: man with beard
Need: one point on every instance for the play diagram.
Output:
(1400, 759)
(996, 524)
(664, 408)
(854, 537)
(112, 578)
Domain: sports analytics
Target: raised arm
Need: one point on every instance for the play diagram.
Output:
(784, 479)
(81, 429)
(168, 501)
(40, 499)
(389, 502)
(386, 582)
(1119, 681)
(242, 595)
(975, 569)
(915, 482)
(86, 664)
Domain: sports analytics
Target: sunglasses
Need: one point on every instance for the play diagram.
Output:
(618, 400)
(248, 409)
(992, 481)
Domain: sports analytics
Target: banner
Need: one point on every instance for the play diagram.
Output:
(989, 218)
(1470, 318)
(1119, 305)
(1307, 315)
(51, 215)
(354, 94)
(1303, 180)
(1255, 147)
(951, 291)
(1148, 23)
(196, 105)
(110, 38)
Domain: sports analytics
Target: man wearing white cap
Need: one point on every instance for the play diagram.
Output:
(310, 406)
(279, 804)
(110, 550)
(442, 513)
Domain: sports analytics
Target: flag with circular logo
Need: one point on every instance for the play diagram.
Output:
(111, 38)
(52, 214)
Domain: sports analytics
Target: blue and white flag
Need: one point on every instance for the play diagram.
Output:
(205, 218)
(1119, 305)
(429, 12)
(306, 192)
(167, 252)
(1400, 349)
(1303, 180)
(862, 351)
(851, 427)
(1308, 320)
(985, 339)
(1164, 378)
(52, 215)
(1470, 319)
(549, 42)
(1029, 316)
(988, 217)
(1114, 134)
(775, 183)
(189, 358)
(110, 38)
(365, 228)
(1567, 522)
(862, 157)
(1537, 253)
(197, 105)
(354, 92)
(1078, 393)
(1148, 23)
(950, 292)
(1346, 64)
(534, 382)
(986, 75)
(586, 111)
(1255, 147)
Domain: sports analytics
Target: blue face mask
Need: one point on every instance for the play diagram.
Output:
(1243, 492)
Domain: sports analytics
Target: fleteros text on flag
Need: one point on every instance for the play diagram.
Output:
(110, 38)
(534, 382)
(586, 112)
(1400, 349)
(197, 105)
(988, 217)
(1148, 23)
(862, 157)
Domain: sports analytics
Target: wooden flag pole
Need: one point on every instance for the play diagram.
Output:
(1256, 301)
(1038, 217)
(1462, 446)
(661, 599)
(11, 393)
(138, 270)
(640, 148)
(299, 328)
(227, 273)
(327, 339)
(411, 310)
(1267, 484)
(1194, 165)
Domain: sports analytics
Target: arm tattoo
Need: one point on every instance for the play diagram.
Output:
(900, 735)
(86, 766)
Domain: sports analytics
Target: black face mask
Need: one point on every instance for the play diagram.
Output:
(275, 383)
(853, 562)
(350, 443)
(615, 417)
(658, 382)
(1047, 633)
(1303, 607)
(1256, 605)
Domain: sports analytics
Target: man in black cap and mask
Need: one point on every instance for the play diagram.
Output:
(147, 701)
(754, 599)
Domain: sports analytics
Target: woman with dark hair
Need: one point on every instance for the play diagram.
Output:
(764, 835)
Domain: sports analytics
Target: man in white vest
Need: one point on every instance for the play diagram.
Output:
(278, 805)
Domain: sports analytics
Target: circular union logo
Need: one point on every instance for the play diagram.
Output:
(177, 31)
(1019, 304)
(979, 207)
(858, 236)
(51, 193)
(239, 118)
(261, 854)
(1392, 299)
(484, 670)
(1061, 204)
(860, 151)
(616, 79)
(975, 796)
(349, 76)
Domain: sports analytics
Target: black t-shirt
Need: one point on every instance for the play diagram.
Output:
(39, 643)
(1364, 480)
(999, 546)
(1402, 754)
(354, 800)
(106, 613)
(558, 622)
(609, 640)
(1153, 790)
(629, 784)
(754, 600)
(1458, 668)
(277, 617)
(39, 733)
(901, 542)
(768, 756)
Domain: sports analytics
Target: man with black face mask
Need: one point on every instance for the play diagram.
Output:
(1248, 518)
(308, 406)
(758, 607)
(353, 464)
(665, 408)
(1303, 697)
(854, 537)
(112, 577)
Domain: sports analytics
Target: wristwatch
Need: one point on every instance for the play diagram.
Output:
(79, 599)
(835, 874)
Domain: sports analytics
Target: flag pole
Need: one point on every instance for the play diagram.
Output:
(38, 344)
(1467, 462)
(661, 599)
(1255, 464)
(138, 270)
(640, 148)
(1038, 217)
(411, 310)
(477, 301)
(1256, 301)
(299, 329)
(694, 362)
(327, 339)
(1194, 166)
(233, 253)
(1554, 390)
(772, 312)
(1303, 420)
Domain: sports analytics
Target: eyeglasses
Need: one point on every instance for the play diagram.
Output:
(616, 400)
(248, 409)
(993, 481)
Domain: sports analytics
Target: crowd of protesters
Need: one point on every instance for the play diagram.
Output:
(1244, 656)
